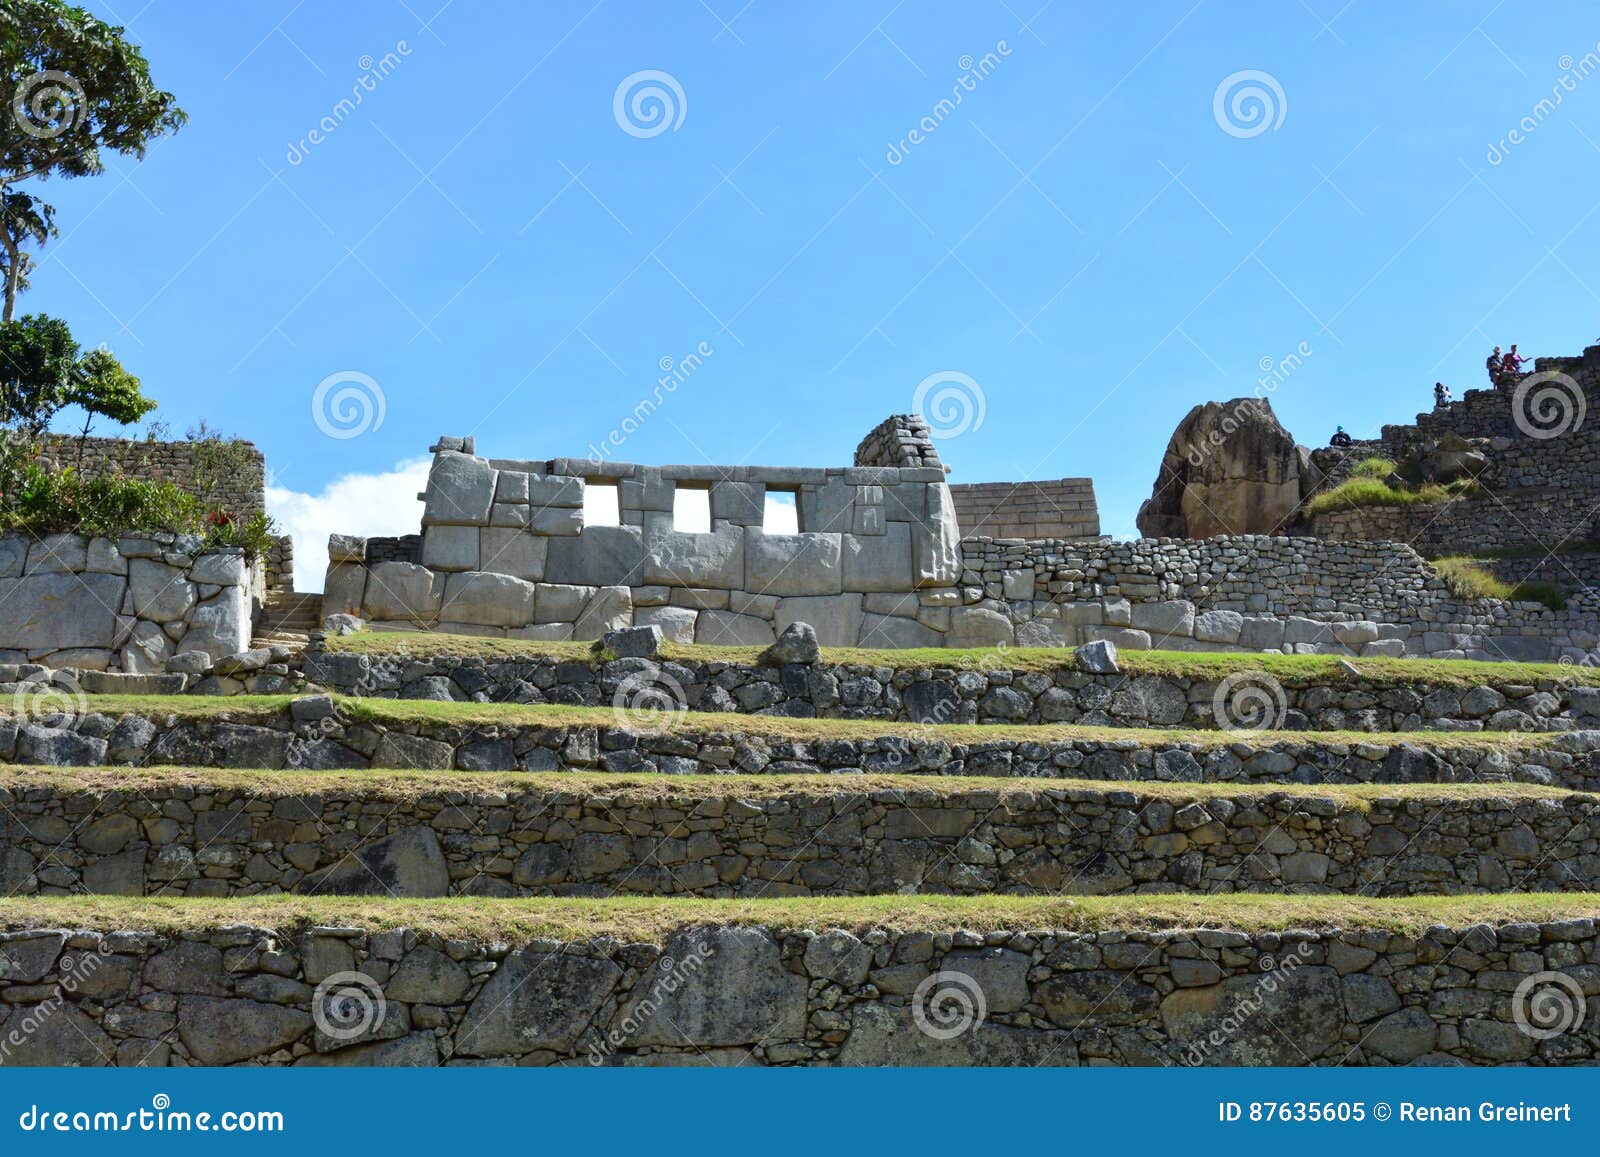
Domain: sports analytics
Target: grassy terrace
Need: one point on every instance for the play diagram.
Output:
(686, 790)
(399, 712)
(643, 919)
(1292, 670)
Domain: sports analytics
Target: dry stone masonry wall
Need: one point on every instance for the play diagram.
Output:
(200, 840)
(936, 695)
(1064, 508)
(879, 562)
(313, 734)
(184, 464)
(729, 995)
(129, 604)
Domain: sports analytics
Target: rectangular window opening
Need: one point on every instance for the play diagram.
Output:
(600, 503)
(691, 509)
(780, 515)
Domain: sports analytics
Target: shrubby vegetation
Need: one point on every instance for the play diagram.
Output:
(1371, 489)
(1468, 578)
(38, 497)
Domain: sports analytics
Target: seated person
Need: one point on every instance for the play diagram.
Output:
(1340, 438)
(1441, 395)
(1511, 364)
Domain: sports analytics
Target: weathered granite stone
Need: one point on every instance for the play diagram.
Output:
(739, 994)
(797, 644)
(535, 1000)
(409, 863)
(488, 599)
(223, 1031)
(460, 490)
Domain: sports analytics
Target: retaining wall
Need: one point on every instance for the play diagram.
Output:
(131, 604)
(968, 695)
(195, 839)
(723, 995)
(316, 735)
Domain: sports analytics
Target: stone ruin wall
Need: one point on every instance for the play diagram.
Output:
(180, 463)
(520, 841)
(269, 739)
(738, 995)
(129, 604)
(1064, 508)
(879, 562)
(1543, 490)
(176, 462)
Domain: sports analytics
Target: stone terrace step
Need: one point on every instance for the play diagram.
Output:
(320, 732)
(1384, 696)
(598, 836)
(753, 983)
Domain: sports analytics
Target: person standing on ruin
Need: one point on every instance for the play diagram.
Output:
(1441, 395)
(1511, 364)
(1493, 364)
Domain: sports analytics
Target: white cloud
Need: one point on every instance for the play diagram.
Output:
(361, 504)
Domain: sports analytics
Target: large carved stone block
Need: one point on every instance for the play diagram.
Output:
(402, 591)
(460, 490)
(673, 558)
(793, 564)
(836, 618)
(450, 547)
(59, 610)
(881, 562)
(491, 600)
(513, 552)
(602, 556)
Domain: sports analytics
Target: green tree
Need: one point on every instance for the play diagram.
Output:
(24, 219)
(81, 90)
(43, 371)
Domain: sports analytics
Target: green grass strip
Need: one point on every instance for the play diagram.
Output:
(405, 712)
(1295, 670)
(635, 919)
(687, 790)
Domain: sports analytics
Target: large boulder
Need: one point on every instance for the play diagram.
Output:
(1230, 468)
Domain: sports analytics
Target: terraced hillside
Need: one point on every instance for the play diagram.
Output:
(622, 879)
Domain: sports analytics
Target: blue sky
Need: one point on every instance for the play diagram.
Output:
(1081, 237)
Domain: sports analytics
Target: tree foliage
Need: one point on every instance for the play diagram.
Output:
(43, 371)
(24, 220)
(82, 90)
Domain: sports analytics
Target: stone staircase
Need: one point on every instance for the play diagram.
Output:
(287, 619)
